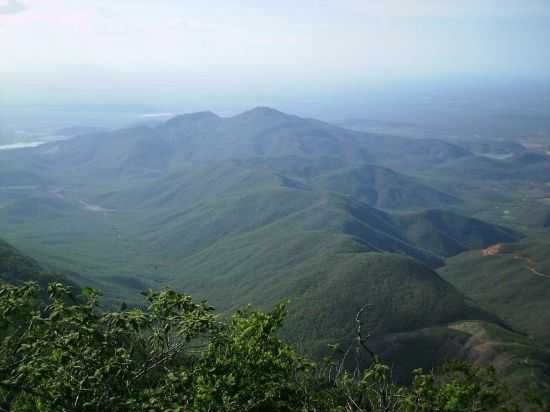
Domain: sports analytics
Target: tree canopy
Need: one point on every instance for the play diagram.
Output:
(176, 354)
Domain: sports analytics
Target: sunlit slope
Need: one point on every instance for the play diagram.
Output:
(510, 281)
(328, 278)
(374, 185)
(194, 184)
(276, 210)
(317, 249)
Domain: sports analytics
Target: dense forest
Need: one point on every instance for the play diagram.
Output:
(429, 241)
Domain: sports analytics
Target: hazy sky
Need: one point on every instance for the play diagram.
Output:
(94, 50)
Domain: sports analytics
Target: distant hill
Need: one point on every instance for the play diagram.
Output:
(492, 148)
(384, 188)
(204, 136)
(524, 166)
(397, 128)
(72, 131)
(479, 168)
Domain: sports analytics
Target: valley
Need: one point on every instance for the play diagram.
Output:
(265, 206)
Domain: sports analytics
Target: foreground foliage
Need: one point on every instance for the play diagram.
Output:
(175, 354)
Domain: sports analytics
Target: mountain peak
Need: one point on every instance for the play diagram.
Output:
(264, 112)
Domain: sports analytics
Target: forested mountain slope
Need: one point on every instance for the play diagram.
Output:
(262, 207)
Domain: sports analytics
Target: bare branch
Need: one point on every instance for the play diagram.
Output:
(363, 340)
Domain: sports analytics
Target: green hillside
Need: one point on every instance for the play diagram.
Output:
(39, 208)
(145, 233)
(16, 268)
(278, 210)
(13, 263)
(383, 188)
(447, 233)
(508, 283)
(404, 295)
(328, 278)
(374, 185)
(194, 184)
(522, 362)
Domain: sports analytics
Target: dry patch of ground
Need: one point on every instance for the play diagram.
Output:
(492, 250)
(498, 249)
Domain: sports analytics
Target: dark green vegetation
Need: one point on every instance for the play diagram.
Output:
(16, 268)
(176, 355)
(265, 206)
(513, 283)
(448, 234)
